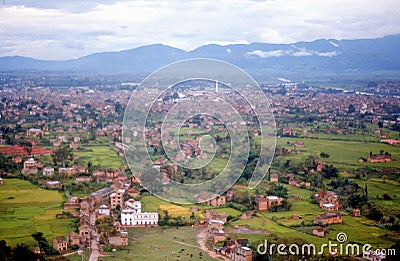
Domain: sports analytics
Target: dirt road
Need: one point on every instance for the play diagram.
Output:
(202, 239)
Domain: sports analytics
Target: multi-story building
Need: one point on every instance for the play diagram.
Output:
(117, 198)
(264, 203)
(133, 217)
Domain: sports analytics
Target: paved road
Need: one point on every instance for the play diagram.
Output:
(94, 246)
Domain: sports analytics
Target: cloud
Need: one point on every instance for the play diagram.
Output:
(327, 54)
(112, 25)
(302, 53)
(262, 54)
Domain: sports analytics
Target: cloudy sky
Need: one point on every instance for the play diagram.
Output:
(72, 28)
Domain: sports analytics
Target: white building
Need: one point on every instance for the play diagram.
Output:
(133, 204)
(132, 215)
(48, 171)
(103, 210)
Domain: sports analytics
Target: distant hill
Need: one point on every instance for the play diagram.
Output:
(301, 58)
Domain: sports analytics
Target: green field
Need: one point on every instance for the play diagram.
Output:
(26, 209)
(102, 155)
(343, 154)
(160, 244)
(376, 188)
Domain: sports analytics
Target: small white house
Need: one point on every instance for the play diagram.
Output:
(48, 171)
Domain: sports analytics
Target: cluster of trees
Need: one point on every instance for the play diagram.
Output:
(20, 252)
(105, 227)
(43, 244)
(166, 220)
(7, 165)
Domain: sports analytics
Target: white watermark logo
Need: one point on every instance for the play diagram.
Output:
(332, 248)
(168, 100)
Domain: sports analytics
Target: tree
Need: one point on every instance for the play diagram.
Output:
(351, 109)
(43, 243)
(22, 252)
(278, 190)
(324, 155)
(7, 165)
(27, 146)
(329, 171)
(5, 251)
(105, 226)
(62, 156)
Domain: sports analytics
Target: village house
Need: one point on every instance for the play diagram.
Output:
(80, 180)
(328, 218)
(73, 203)
(118, 240)
(1, 181)
(297, 183)
(73, 145)
(133, 204)
(53, 184)
(274, 178)
(60, 244)
(111, 174)
(379, 158)
(215, 230)
(30, 166)
(243, 253)
(319, 232)
(69, 171)
(295, 217)
(264, 203)
(85, 206)
(328, 200)
(230, 194)
(32, 132)
(84, 231)
(103, 210)
(74, 239)
(48, 171)
(79, 168)
(217, 201)
(213, 214)
(102, 195)
(357, 212)
(117, 198)
(373, 256)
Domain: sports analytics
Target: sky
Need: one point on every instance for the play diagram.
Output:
(60, 30)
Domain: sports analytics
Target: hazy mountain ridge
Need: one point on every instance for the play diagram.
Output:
(319, 56)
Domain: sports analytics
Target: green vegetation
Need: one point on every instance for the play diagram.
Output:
(26, 209)
(160, 244)
(343, 154)
(101, 155)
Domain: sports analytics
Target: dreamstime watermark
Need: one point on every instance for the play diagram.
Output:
(153, 121)
(339, 248)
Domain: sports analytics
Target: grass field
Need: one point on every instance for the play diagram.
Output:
(26, 209)
(153, 203)
(102, 155)
(376, 188)
(343, 154)
(161, 244)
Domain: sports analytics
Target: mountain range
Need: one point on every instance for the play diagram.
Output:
(319, 57)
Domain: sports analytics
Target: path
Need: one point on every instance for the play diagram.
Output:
(202, 239)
